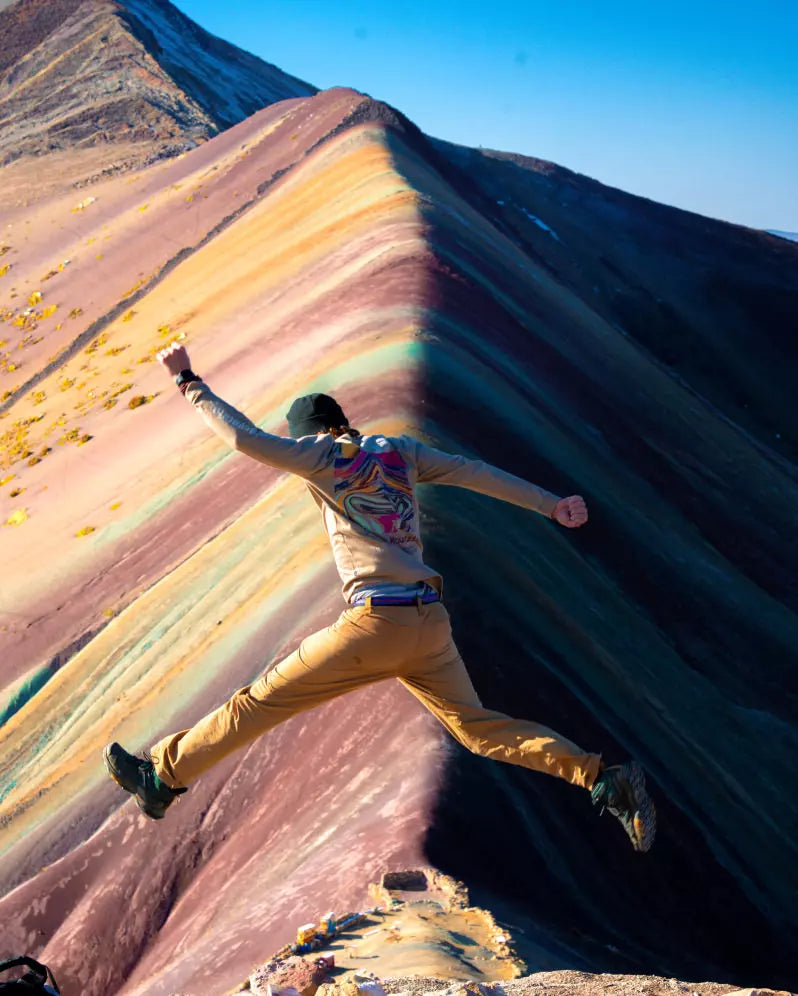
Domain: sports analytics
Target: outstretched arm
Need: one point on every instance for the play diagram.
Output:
(437, 467)
(303, 457)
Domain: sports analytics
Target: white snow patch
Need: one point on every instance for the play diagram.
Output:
(541, 224)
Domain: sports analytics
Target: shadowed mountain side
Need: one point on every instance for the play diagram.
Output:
(713, 302)
(638, 632)
(106, 73)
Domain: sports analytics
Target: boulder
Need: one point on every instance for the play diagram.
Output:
(285, 974)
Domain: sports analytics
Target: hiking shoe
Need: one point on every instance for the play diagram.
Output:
(622, 790)
(137, 776)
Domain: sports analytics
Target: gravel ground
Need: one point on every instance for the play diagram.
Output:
(568, 984)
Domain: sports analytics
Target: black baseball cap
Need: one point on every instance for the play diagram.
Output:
(314, 413)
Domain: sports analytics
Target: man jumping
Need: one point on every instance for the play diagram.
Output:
(395, 624)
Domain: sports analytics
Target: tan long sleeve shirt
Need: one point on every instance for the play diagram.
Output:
(364, 487)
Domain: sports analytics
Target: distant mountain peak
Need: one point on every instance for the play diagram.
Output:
(77, 73)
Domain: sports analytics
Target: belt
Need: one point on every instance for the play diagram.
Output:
(392, 600)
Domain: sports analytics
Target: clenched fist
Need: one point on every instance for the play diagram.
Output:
(174, 358)
(570, 512)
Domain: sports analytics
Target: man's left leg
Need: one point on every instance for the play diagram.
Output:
(358, 649)
(439, 679)
(447, 691)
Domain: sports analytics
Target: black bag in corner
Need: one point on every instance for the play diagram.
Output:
(32, 983)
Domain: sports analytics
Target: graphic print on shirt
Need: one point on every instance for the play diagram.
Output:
(374, 491)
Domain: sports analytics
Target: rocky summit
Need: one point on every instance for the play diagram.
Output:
(82, 73)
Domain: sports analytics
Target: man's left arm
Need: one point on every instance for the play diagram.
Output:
(437, 467)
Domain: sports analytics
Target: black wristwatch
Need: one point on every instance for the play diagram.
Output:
(184, 378)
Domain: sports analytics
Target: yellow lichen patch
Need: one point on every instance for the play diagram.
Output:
(190, 198)
(50, 274)
(66, 383)
(115, 394)
(49, 310)
(4, 250)
(133, 289)
(95, 344)
(164, 331)
(38, 397)
(16, 492)
(35, 298)
(116, 350)
(109, 613)
(85, 438)
(99, 255)
(128, 316)
(6, 479)
(113, 508)
(144, 207)
(17, 518)
(85, 531)
(92, 239)
(72, 436)
(14, 441)
(34, 460)
(76, 312)
(127, 370)
(4, 269)
(45, 450)
(140, 400)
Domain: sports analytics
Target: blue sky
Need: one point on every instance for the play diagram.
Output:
(692, 104)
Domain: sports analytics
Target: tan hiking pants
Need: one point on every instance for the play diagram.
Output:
(367, 644)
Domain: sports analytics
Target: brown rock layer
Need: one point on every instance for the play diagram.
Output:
(101, 72)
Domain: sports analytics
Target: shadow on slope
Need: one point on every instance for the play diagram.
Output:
(665, 629)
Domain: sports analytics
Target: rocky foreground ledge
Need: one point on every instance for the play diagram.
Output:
(538, 984)
(422, 937)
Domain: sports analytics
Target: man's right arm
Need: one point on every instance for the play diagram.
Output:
(304, 457)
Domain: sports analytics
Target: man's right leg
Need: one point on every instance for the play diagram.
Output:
(356, 650)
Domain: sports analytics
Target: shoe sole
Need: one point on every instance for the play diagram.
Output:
(644, 820)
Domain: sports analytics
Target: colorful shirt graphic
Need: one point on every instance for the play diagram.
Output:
(373, 490)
